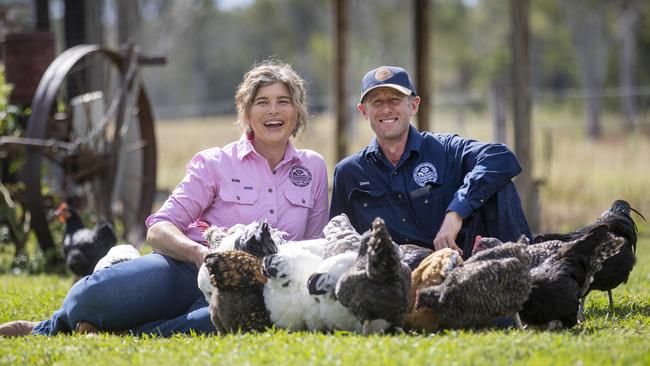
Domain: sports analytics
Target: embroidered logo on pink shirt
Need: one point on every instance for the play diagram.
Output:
(299, 176)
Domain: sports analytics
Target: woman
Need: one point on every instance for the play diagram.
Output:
(259, 177)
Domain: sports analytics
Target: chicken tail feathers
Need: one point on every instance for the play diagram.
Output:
(383, 259)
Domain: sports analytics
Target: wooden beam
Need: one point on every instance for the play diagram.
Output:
(340, 67)
(519, 14)
(422, 76)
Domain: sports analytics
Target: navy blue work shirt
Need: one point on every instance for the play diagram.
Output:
(437, 173)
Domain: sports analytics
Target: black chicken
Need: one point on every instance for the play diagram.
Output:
(616, 270)
(376, 288)
(565, 276)
(83, 247)
(237, 304)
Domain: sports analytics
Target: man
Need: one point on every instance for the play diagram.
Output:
(428, 188)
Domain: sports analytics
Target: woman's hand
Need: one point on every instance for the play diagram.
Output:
(165, 238)
(446, 237)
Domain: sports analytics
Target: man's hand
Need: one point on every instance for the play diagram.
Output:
(446, 237)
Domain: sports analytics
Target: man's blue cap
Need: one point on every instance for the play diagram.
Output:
(389, 77)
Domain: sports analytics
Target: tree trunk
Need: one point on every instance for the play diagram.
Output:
(627, 35)
(586, 21)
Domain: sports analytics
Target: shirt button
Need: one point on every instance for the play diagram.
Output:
(403, 219)
(482, 200)
(365, 204)
(394, 172)
(274, 172)
(426, 202)
(270, 190)
(303, 200)
(399, 195)
(237, 198)
(271, 211)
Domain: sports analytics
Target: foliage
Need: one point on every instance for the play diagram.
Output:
(617, 339)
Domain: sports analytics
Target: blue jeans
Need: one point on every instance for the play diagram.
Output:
(153, 294)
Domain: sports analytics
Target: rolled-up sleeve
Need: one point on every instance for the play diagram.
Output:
(486, 166)
(190, 197)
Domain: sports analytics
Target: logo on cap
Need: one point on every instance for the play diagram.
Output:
(382, 74)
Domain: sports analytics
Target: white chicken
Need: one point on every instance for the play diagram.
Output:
(286, 296)
(117, 254)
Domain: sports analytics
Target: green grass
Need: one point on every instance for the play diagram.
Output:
(616, 339)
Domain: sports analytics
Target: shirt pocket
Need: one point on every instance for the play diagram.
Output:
(367, 199)
(299, 197)
(235, 194)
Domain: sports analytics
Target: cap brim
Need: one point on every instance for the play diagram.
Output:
(399, 88)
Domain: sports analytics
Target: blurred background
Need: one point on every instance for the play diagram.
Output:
(586, 99)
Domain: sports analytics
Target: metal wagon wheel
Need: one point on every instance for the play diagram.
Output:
(98, 144)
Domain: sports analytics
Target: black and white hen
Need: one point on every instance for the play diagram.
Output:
(493, 283)
(376, 288)
(237, 304)
(84, 247)
(616, 270)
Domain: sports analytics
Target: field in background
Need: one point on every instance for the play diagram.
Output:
(581, 177)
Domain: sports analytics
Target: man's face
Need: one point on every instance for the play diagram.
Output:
(389, 113)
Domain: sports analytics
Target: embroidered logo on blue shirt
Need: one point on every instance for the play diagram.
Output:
(299, 176)
(425, 173)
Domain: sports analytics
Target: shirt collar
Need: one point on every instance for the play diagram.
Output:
(413, 143)
(245, 147)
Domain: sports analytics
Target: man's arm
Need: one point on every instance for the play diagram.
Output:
(446, 237)
(488, 167)
(165, 238)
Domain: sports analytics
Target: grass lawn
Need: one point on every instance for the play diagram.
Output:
(582, 178)
(618, 339)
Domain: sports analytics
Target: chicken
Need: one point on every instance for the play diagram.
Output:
(489, 285)
(561, 279)
(413, 255)
(616, 270)
(376, 289)
(431, 271)
(322, 285)
(340, 236)
(258, 239)
(117, 254)
(83, 247)
(237, 304)
(285, 294)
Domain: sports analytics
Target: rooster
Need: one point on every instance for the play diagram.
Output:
(565, 276)
(376, 288)
(615, 270)
(237, 304)
(84, 247)
(491, 284)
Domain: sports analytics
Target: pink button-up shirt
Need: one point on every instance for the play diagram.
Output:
(235, 185)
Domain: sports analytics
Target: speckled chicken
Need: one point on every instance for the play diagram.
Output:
(564, 277)
(237, 304)
(615, 270)
(256, 238)
(376, 289)
(491, 284)
(431, 271)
